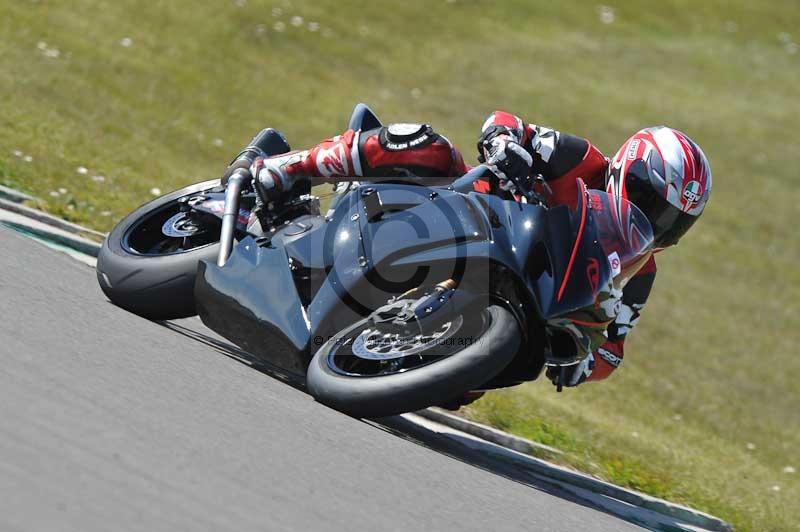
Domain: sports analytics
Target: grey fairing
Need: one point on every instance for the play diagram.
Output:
(254, 300)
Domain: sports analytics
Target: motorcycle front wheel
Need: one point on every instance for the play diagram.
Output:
(148, 263)
(367, 372)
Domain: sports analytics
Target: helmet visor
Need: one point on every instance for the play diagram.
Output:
(669, 222)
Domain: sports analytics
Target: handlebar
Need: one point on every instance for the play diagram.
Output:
(237, 177)
(261, 146)
(525, 187)
(239, 180)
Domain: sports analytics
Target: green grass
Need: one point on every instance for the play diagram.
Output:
(716, 345)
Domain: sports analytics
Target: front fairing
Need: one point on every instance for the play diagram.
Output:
(594, 250)
(577, 296)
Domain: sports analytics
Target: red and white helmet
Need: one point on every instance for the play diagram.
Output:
(666, 175)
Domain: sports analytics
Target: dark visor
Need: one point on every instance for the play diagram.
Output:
(669, 223)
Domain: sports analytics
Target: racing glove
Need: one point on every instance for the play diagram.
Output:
(499, 147)
(273, 176)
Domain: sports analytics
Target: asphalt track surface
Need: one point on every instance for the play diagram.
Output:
(112, 422)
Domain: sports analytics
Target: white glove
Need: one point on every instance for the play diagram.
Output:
(582, 371)
(270, 176)
(508, 156)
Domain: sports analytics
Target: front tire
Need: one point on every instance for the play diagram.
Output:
(367, 392)
(145, 276)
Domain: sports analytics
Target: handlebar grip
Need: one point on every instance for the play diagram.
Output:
(264, 142)
(258, 147)
(267, 142)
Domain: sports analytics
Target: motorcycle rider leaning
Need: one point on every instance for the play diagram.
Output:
(659, 169)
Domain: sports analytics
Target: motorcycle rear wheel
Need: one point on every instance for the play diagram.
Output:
(148, 273)
(347, 375)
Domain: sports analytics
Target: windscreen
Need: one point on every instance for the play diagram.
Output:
(623, 232)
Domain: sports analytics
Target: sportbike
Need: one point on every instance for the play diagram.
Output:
(400, 296)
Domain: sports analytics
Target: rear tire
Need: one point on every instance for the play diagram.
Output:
(437, 382)
(157, 287)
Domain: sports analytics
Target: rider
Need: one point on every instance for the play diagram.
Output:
(659, 169)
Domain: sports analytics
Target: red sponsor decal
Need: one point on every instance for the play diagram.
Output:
(576, 245)
(593, 274)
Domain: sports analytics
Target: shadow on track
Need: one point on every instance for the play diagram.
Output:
(194, 329)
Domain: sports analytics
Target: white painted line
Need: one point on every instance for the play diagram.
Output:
(14, 195)
(77, 247)
(642, 509)
(486, 432)
(47, 219)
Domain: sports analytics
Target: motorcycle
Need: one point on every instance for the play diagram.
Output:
(400, 297)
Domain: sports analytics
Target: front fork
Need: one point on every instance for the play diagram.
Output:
(268, 142)
(233, 195)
